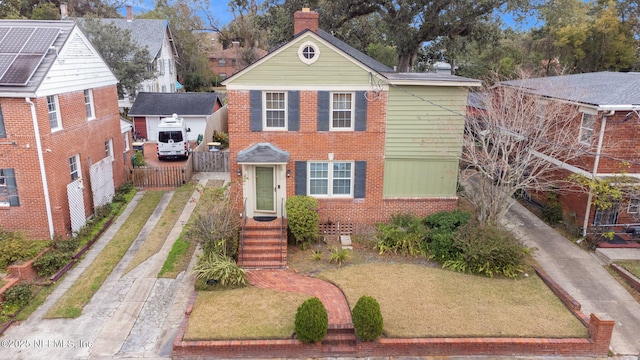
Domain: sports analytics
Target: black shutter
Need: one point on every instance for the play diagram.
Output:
(323, 110)
(360, 180)
(3, 132)
(361, 112)
(255, 104)
(294, 110)
(10, 181)
(301, 178)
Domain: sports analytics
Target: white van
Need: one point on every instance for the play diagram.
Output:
(172, 138)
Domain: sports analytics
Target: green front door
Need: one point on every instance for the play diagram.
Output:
(265, 189)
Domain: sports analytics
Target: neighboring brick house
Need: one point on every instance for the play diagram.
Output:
(155, 35)
(195, 108)
(317, 117)
(226, 62)
(608, 129)
(61, 137)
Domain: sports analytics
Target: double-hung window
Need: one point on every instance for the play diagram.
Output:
(586, 127)
(88, 104)
(634, 205)
(8, 190)
(333, 179)
(3, 131)
(342, 111)
(54, 112)
(275, 110)
(108, 149)
(74, 167)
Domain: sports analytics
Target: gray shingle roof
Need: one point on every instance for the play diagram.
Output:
(166, 104)
(145, 32)
(600, 88)
(428, 77)
(262, 153)
(66, 27)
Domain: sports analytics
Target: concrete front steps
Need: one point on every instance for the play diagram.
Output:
(263, 245)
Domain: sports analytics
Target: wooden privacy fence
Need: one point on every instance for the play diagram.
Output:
(214, 161)
(165, 176)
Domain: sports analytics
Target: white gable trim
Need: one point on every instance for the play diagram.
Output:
(295, 42)
(78, 66)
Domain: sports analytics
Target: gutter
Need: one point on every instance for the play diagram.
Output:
(596, 162)
(43, 173)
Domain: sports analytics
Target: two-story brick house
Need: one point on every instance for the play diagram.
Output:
(607, 129)
(61, 139)
(317, 117)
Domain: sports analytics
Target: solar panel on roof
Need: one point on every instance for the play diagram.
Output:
(15, 39)
(22, 49)
(21, 70)
(40, 41)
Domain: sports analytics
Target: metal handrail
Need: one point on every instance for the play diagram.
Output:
(244, 224)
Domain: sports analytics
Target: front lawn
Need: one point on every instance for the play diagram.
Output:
(246, 313)
(419, 301)
(632, 266)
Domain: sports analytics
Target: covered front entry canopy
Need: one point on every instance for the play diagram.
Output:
(264, 168)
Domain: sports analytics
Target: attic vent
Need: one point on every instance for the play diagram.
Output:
(308, 52)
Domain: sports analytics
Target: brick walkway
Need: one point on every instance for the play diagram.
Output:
(284, 280)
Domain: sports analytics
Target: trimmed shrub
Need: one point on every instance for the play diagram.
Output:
(50, 262)
(303, 218)
(404, 235)
(18, 295)
(224, 270)
(447, 220)
(367, 318)
(487, 250)
(69, 245)
(312, 321)
(440, 245)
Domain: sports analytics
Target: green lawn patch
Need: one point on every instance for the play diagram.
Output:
(81, 292)
(178, 259)
(420, 301)
(245, 313)
(156, 239)
(632, 266)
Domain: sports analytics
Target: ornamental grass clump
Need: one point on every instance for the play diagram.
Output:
(367, 318)
(312, 321)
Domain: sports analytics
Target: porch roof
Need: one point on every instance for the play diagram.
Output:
(263, 153)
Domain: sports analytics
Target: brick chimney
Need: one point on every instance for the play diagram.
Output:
(305, 19)
(129, 13)
(64, 11)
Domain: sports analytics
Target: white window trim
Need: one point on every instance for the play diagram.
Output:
(76, 157)
(264, 111)
(126, 141)
(634, 208)
(108, 147)
(330, 180)
(584, 128)
(353, 97)
(316, 50)
(57, 112)
(91, 104)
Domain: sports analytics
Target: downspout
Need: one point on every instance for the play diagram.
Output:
(596, 162)
(43, 173)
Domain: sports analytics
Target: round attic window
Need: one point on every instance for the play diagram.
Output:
(308, 52)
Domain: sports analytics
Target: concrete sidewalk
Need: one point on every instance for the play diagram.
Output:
(132, 315)
(584, 276)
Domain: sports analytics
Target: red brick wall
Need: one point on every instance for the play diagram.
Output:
(78, 136)
(309, 144)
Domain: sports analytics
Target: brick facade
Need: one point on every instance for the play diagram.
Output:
(78, 136)
(310, 144)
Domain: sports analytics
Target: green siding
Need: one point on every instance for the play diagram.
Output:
(285, 68)
(420, 178)
(425, 122)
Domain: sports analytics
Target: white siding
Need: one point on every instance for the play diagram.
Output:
(168, 77)
(78, 67)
